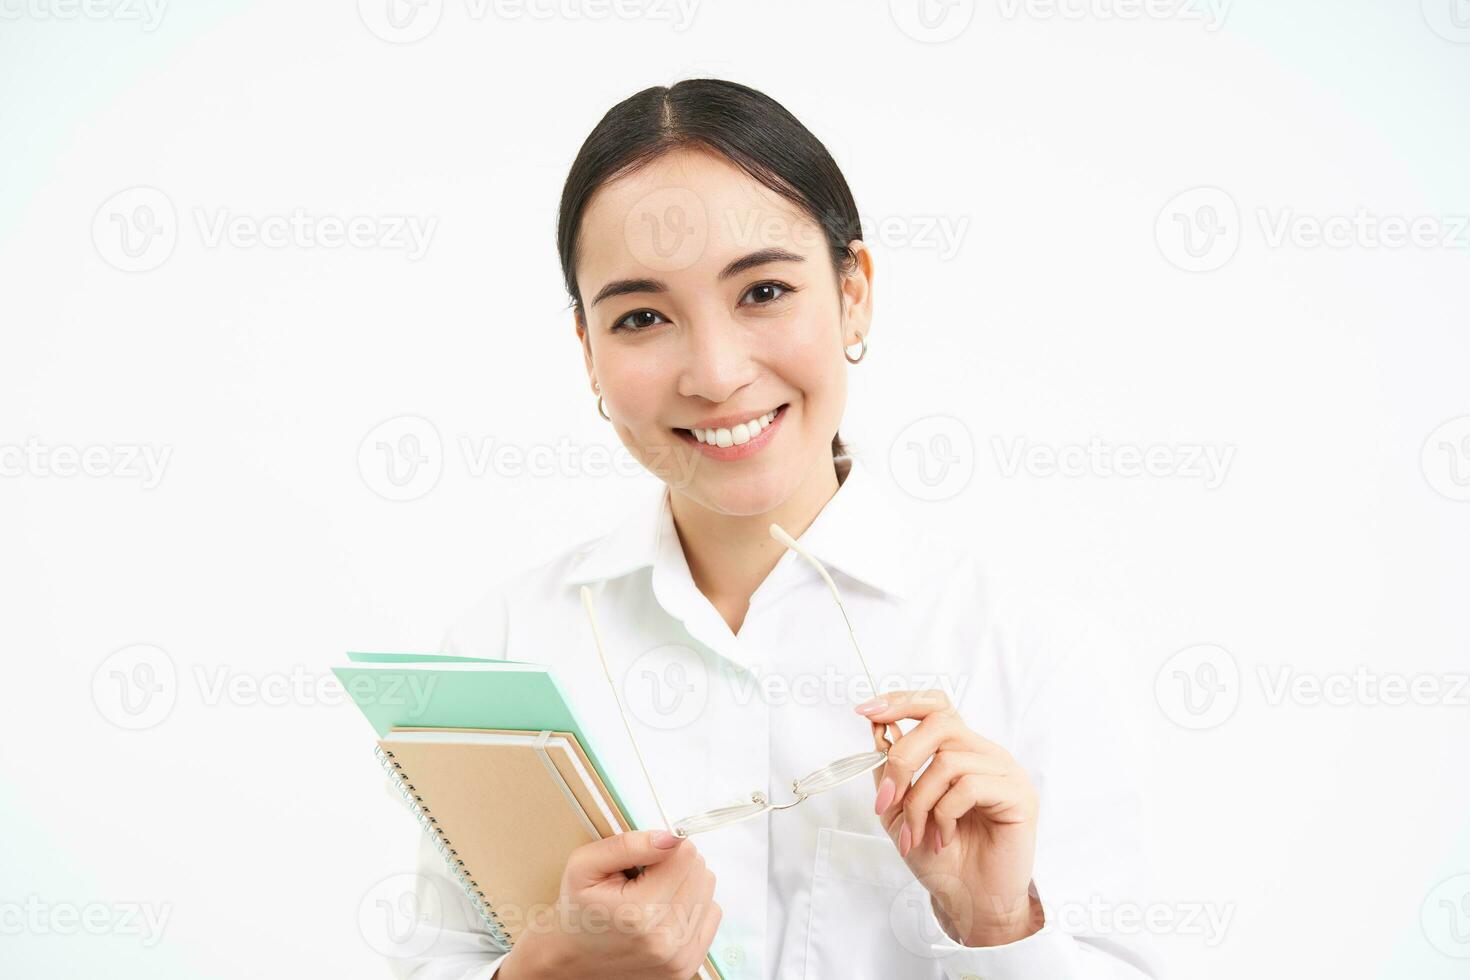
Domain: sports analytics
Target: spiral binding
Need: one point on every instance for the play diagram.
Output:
(441, 843)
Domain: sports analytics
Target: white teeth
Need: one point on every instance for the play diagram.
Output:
(738, 435)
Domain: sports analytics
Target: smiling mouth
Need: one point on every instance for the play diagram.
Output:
(736, 435)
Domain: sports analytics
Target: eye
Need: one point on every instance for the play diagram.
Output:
(765, 289)
(639, 323)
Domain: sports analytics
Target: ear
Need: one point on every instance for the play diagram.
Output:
(580, 326)
(857, 295)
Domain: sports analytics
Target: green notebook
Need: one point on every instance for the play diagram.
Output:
(425, 690)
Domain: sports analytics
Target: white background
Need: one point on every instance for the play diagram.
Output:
(1053, 144)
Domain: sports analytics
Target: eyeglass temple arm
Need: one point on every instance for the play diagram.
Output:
(779, 533)
(597, 639)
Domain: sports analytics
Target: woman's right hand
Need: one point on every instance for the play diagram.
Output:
(658, 926)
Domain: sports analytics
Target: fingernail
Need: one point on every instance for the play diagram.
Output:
(905, 841)
(872, 707)
(663, 840)
(886, 791)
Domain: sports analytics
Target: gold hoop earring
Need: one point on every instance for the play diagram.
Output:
(861, 353)
(602, 409)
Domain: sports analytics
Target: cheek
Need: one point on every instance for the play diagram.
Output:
(635, 385)
(808, 359)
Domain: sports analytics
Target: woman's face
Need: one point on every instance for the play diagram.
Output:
(710, 301)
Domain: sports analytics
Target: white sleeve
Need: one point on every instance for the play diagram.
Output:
(451, 941)
(1076, 739)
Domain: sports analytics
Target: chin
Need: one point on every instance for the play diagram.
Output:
(744, 495)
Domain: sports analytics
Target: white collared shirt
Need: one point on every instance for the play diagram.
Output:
(819, 890)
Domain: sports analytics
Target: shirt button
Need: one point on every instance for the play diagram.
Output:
(734, 954)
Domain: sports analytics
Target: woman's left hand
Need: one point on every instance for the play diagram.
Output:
(967, 827)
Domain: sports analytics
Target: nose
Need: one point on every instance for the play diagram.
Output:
(717, 361)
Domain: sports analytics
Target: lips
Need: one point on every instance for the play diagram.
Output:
(733, 451)
(737, 434)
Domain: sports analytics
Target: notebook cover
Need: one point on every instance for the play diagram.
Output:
(497, 694)
(459, 784)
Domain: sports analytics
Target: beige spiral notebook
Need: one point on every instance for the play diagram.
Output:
(505, 808)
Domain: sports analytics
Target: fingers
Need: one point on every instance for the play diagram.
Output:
(600, 859)
(689, 920)
(692, 902)
(1004, 799)
(662, 881)
(894, 705)
(937, 731)
(935, 781)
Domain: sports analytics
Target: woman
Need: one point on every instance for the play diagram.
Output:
(720, 287)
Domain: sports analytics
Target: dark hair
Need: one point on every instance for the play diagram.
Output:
(746, 127)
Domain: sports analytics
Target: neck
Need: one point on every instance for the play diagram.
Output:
(730, 555)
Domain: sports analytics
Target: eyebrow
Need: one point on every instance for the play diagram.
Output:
(619, 287)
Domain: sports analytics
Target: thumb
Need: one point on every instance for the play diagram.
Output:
(592, 862)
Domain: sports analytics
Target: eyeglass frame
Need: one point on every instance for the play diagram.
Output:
(759, 802)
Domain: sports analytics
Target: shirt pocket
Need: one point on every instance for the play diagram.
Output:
(870, 917)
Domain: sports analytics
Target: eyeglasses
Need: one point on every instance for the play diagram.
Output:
(828, 777)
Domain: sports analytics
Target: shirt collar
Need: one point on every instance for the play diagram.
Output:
(860, 532)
